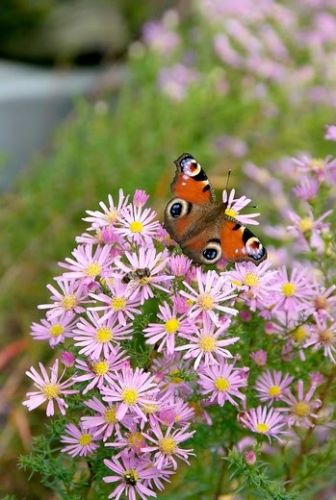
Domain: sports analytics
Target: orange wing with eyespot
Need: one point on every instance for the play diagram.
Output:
(191, 182)
(239, 243)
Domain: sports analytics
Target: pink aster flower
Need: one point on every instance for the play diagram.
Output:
(152, 266)
(104, 422)
(301, 409)
(67, 299)
(253, 281)
(322, 169)
(133, 474)
(262, 420)
(206, 346)
(323, 336)
(166, 446)
(176, 411)
(308, 230)
(271, 386)
(131, 390)
(259, 357)
(54, 330)
(330, 134)
(78, 441)
(138, 224)
(121, 303)
(179, 265)
(307, 188)
(292, 293)
(98, 372)
(87, 263)
(324, 300)
(221, 383)
(96, 337)
(235, 205)
(132, 441)
(50, 388)
(67, 359)
(110, 213)
(209, 296)
(140, 198)
(166, 332)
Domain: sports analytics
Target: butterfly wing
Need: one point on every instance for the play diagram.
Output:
(238, 243)
(191, 182)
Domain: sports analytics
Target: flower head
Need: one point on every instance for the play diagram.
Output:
(50, 388)
(262, 420)
(234, 205)
(78, 441)
(271, 386)
(222, 383)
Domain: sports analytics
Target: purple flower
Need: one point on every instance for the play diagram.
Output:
(133, 474)
(160, 38)
(205, 345)
(330, 134)
(166, 332)
(137, 224)
(221, 383)
(79, 441)
(259, 357)
(166, 445)
(175, 81)
(110, 213)
(68, 299)
(323, 336)
(130, 390)
(140, 198)
(50, 388)
(272, 385)
(104, 422)
(262, 420)
(235, 205)
(55, 330)
(207, 299)
(96, 337)
(87, 263)
(301, 409)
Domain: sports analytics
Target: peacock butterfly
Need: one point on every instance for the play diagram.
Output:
(199, 224)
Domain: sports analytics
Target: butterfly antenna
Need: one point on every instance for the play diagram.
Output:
(227, 179)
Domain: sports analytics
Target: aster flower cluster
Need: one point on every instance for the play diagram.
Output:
(155, 348)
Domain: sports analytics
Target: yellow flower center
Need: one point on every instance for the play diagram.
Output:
(317, 164)
(104, 334)
(136, 226)
(167, 445)
(274, 391)
(51, 390)
(118, 303)
(172, 325)
(262, 428)
(207, 343)
(321, 302)
(206, 302)
(237, 283)
(85, 439)
(69, 302)
(222, 384)
(251, 279)
(300, 334)
(100, 368)
(135, 439)
(130, 396)
(110, 416)
(56, 330)
(150, 408)
(230, 212)
(111, 216)
(131, 477)
(306, 225)
(175, 376)
(288, 289)
(93, 269)
(326, 337)
(301, 409)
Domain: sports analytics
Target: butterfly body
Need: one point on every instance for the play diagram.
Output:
(200, 225)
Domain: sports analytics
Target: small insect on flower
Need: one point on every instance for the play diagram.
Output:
(50, 388)
(78, 441)
(134, 475)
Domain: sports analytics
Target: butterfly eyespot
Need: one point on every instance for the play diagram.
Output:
(212, 253)
(178, 207)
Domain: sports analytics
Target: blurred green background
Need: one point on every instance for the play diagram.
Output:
(148, 103)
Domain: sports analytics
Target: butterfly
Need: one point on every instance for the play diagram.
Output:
(199, 224)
